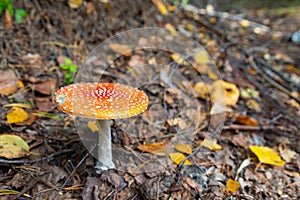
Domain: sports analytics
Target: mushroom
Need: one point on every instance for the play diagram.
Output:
(102, 101)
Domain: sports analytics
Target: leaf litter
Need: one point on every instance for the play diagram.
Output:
(260, 80)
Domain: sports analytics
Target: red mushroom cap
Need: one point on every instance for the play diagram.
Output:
(101, 100)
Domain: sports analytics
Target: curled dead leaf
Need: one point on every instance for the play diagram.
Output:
(246, 120)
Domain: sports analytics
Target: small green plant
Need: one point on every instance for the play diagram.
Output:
(71, 70)
(18, 13)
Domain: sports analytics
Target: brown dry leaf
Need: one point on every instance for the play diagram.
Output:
(178, 59)
(46, 87)
(74, 3)
(287, 154)
(246, 120)
(220, 89)
(178, 158)
(7, 20)
(232, 185)
(202, 89)
(161, 7)
(283, 57)
(16, 115)
(9, 82)
(157, 148)
(33, 61)
(252, 104)
(123, 49)
(93, 126)
(89, 8)
(266, 155)
(13, 146)
(211, 144)
(44, 104)
(184, 148)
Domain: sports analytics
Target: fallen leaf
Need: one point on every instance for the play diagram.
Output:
(160, 7)
(212, 75)
(184, 148)
(232, 185)
(33, 61)
(222, 89)
(89, 8)
(9, 82)
(202, 89)
(122, 49)
(74, 3)
(16, 115)
(252, 104)
(202, 58)
(178, 158)
(13, 146)
(211, 144)
(46, 87)
(178, 59)
(245, 23)
(249, 93)
(246, 120)
(7, 20)
(287, 154)
(93, 126)
(266, 155)
(171, 28)
(46, 114)
(157, 148)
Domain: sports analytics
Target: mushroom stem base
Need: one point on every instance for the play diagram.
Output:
(104, 146)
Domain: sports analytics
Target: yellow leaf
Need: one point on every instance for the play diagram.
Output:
(93, 126)
(16, 115)
(222, 89)
(177, 58)
(232, 185)
(178, 158)
(161, 7)
(249, 121)
(248, 93)
(157, 148)
(211, 144)
(252, 104)
(202, 89)
(266, 155)
(202, 58)
(171, 28)
(212, 75)
(75, 3)
(245, 23)
(184, 148)
(13, 146)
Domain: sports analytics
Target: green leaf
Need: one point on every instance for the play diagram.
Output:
(68, 75)
(20, 14)
(72, 68)
(48, 115)
(64, 66)
(10, 8)
(68, 61)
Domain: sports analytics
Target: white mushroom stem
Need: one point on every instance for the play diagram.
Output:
(104, 146)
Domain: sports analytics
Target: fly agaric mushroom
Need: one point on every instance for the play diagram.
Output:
(102, 101)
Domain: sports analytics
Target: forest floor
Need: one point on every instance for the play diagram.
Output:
(184, 146)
